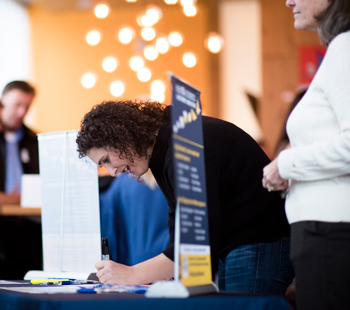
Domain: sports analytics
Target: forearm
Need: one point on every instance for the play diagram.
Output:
(155, 269)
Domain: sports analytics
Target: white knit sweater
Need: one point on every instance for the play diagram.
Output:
(318, 164)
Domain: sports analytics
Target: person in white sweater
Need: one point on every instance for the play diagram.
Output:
(316, 169)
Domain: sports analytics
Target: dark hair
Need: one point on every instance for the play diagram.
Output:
(21, 85)
(334, 20)
(126, 126)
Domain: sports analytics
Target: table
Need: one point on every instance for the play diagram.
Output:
(123, 301)
(17, 210)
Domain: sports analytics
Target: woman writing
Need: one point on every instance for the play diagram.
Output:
(247, 224)
(318, 164)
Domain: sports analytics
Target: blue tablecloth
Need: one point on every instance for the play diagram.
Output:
(123, 301)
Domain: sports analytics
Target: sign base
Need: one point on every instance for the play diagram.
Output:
(175, 289)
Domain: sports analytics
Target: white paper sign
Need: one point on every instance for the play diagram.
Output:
(70, 205)
(30, 191)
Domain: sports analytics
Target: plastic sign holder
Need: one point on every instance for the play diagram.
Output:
(191, 242)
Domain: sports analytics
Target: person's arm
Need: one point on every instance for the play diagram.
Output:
(11, 198)
(330, 158)
(155, 269)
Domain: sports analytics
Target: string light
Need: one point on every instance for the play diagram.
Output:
(214, 42)
(126, 34)
(158, 86)
(93, 37)
(162, 44)
(88, 80)
(175, 38)
(190, 10)
(189, 59)
(101, 10)
(170, 2)
(117, 88)
(110, 63)
(144, 75)
(148, 33)
(150, 52)
(136, 63)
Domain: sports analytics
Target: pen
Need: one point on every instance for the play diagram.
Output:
(105, 249)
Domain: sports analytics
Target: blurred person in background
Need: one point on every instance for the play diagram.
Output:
(20, 236)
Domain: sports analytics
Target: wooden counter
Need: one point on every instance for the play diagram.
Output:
(17, 210)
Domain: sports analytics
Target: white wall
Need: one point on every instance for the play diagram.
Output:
(15, 47)
(240, 62)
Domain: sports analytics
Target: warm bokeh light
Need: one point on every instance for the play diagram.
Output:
(162, 44)
(214, 42)
(93, 37)
(188, 2)
(158, 86)
(136, 63)
(175, 38)
(148, 33)
(126, 34)
(144, 75)
(154, 13)
(110, 63)
(101, 10)
(117, 88)
(88, 80)
(160, 97)
(190, 10)
(130, 0)
(170, 1)
(150, 52)
(189, 59)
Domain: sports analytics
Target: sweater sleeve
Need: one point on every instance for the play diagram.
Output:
(331, 158)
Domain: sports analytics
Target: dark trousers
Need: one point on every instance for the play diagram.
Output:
(20, 246)
(320, 254)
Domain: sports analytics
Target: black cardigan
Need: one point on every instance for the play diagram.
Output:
(240, 210)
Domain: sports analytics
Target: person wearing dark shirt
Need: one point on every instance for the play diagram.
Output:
(247, 225)
(18, 155)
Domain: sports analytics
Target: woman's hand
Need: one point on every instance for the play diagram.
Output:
(112, 272)
(155, 269)
(272, 179)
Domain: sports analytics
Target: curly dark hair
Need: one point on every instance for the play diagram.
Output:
(128, 127)
(334, 20)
